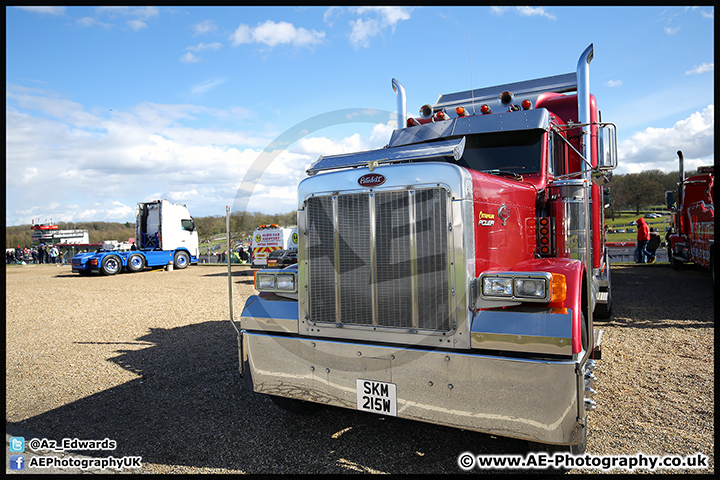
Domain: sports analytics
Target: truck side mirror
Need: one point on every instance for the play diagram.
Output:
(607, 146)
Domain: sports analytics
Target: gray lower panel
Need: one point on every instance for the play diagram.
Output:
(533, 400)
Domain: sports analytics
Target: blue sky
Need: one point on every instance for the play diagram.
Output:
(106, 107)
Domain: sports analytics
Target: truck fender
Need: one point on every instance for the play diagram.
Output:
(576, 281)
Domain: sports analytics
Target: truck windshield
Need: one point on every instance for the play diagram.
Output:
(517, 151)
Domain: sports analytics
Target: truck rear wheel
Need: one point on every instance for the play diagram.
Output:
(135, 262)
(181, 260)
(110, 265)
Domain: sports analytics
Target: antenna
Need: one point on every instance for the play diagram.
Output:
(472, 94)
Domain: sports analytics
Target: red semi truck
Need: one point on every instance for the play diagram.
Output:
(452, 276)
(693, 222)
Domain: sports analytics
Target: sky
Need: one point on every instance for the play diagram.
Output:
(227, 106)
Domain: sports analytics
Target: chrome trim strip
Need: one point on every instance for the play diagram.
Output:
(336, 249)
(412, 219)
(373, 258)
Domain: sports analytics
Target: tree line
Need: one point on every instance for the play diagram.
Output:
(639, 191)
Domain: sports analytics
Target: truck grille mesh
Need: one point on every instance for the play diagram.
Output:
(370, 264)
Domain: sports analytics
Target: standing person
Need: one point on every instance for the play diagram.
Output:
(34, 255)
(653, 244)
(54, 254)
(643, 237)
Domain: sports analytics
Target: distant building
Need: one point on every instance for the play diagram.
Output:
(51, 234)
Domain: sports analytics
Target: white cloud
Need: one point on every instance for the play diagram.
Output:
(655, 147)
(671, 30)
(373, 22)
(205, 46)
(189, 58)
(523, 12)
(613, 83)
(273, 34)
(136, 24)
(704, 67)
(208, 26)
(98, 166)
(45, 10)
(140, 13)
(206, 85)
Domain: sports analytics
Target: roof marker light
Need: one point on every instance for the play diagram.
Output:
(526, 104)
(485, 109)
(506, 97)
(461, 111)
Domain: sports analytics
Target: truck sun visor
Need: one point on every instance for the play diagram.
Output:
(440, 150)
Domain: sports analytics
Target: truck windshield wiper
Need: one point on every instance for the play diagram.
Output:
(515, 175)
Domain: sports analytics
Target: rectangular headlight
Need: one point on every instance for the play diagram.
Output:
(274, 281)
(264, 281)
(497, 287)
(530, 287)
(285, 282)
(517, 286)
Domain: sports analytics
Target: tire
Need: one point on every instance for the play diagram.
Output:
(674, 262)
(712, 267)
(135, 263)
(111, 265)
(181, 260)
(298, 407)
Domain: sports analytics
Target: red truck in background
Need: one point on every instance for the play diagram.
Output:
(451, 277)
(692, 237)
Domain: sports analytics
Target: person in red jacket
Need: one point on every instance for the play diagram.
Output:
(643, 237)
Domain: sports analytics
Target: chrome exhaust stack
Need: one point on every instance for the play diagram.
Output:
(401, 104)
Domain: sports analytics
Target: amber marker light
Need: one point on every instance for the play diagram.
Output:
(559, 288)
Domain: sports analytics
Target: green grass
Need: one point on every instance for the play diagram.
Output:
(624, 223)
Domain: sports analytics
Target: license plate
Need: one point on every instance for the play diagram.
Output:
(377, 397)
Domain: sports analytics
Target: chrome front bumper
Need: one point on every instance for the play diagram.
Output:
(527, 399)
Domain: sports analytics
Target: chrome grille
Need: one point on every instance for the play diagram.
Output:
(379, 259)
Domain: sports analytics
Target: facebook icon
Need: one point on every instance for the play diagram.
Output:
(17, 462)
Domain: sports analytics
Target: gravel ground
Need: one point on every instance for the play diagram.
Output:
(150, 361)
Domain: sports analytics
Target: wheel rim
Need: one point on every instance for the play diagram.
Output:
(111, 265)
(181, 260)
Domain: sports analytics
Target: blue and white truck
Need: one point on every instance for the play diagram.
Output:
(164, 233)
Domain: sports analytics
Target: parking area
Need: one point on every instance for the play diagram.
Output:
(149, 360)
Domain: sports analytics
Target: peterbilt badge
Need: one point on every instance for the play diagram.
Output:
(371, 180)
(503, 213)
